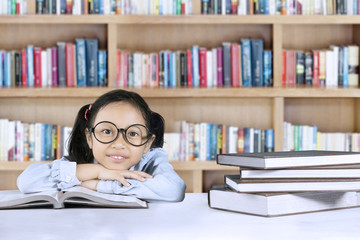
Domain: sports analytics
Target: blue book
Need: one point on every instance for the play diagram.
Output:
(228, 6)
(346, 67)
(30, 65)
(268, 80)
(213, 141)
(96, 6)
(102, 72)
(208, 141)
(1, 69)
(63, 6)
(7, 69)
(314, 137)
(172, 69)
(174, 7)
(80, 62)
(48, 141)
(91, 61)
(195, 65)
(246, 63)
(257, 49)
(101, 6)
(166, 68)
(269, 140)
(262, 6)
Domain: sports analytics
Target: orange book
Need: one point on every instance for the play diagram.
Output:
(69, 65)
(235, 76)
(240, 148)
(316, 68)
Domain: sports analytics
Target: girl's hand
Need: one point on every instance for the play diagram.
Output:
(121, 175)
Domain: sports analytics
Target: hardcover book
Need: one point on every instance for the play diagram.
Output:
(75, 196)
(278, 204)
(239, 184)
(291, 159)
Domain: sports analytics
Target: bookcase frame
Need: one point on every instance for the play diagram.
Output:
(331, 109)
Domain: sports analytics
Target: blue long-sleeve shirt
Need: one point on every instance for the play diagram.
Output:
(165, 185)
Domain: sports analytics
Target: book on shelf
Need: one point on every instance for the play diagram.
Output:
(330, 67)
(75, 196)
(287, 159)
(279, 204)
(237, 183)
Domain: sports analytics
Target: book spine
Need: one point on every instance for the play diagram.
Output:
(268, 79)
(309, 68)
(102, 66)
(189, 68)
(183, 69)
(300, 68)
(202, 67)
(18, 80)
(91, 61)
(37, 67)
(219, 62)
(246, 63)
(69, 65)
(235, 78)
(195, 64)
(257, 48)
(54, 67)
(30, 65)
(61, 64)
(226, 64)
(81, 62)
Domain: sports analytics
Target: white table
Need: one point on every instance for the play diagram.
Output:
(187, 220)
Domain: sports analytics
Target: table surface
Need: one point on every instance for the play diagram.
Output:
(190, 219)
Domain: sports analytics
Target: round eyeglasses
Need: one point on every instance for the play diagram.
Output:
(107, 132)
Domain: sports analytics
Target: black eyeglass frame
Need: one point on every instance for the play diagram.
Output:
(123, 132)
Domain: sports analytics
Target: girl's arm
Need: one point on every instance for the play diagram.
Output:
(165, 185)
(59, 174)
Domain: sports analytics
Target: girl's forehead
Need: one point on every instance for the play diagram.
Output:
(121, 113)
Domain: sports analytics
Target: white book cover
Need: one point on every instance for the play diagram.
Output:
(19, 142)
(66, 139)
(58, 7)
(44, 70)
(353, 62)
(214, 67)
(233, 139)
(272, 7)
(11, 141)
(107, 7)
(209, 69)
(329, 70)
(137, 69)
(223, 7)
(251, 140)
(32, 142)
(76, 10)
(145, 71)
(203, 141)
(242, 6)
(49, 67)
(197, 141)
(38, 142)
(171, 146)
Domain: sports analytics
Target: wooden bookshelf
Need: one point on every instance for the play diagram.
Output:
(332, 110)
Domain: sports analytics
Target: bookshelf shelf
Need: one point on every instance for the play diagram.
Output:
(331, 109)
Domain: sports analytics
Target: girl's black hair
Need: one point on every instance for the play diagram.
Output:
(78, 148)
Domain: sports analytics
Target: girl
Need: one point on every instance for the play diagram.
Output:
(124, 137)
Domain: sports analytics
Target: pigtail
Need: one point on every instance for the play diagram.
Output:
(78, 148)
(157, 127)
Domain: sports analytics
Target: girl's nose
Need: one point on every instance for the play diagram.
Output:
(120, 141)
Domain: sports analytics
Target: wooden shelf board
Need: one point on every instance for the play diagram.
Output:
(179, 19)
(86, 92)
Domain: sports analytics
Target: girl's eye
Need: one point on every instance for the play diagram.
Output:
(107, 131)
(133, 134)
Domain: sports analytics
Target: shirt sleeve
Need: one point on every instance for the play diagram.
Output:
(59, 174)
(165, 185)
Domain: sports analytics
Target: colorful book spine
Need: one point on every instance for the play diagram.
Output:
(246, 62)
(81, 62)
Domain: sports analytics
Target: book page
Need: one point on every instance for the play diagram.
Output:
(15, 198)
(85, 196)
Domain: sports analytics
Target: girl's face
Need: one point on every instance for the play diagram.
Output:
(119, 154)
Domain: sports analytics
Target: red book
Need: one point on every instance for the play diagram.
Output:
(235, 74)
(118, 67)
(37, 67)
(202, 67)
(69, 6)
(283, 69)
(183, 8)
(189, 68)
(291, 68)
(316, 68)
(17, 8)
(23, 68)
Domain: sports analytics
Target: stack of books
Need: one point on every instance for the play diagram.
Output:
(282, 183)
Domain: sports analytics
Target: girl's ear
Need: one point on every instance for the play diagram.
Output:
(88, 138)
(149, 143)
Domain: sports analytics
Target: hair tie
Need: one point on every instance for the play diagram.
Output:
(87, 111)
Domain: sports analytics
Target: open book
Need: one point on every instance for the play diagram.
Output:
(75, 196)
